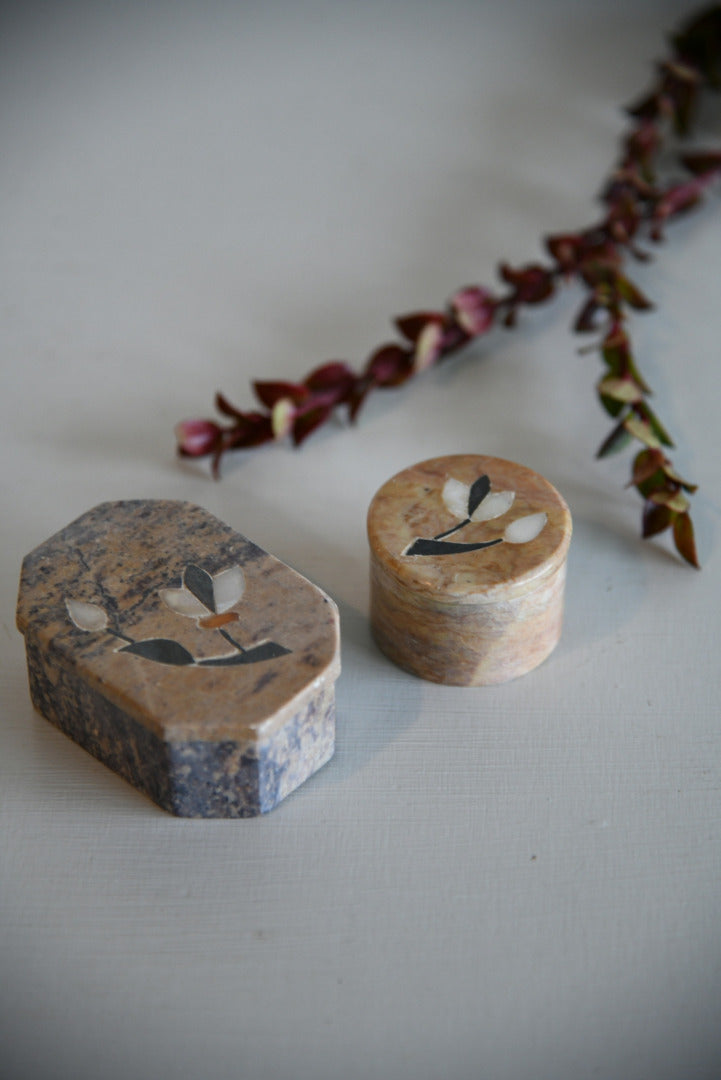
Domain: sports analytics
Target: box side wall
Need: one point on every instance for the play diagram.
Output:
(465, 644)
(206, 779)
(101, 728)
(298, 749)
(215, 779)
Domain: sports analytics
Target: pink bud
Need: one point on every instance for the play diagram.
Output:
(474, 309)
(197, 437)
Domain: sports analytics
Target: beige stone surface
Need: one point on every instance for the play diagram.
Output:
(122, 557)
(472, 616)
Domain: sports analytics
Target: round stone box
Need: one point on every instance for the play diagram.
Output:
(468, 565)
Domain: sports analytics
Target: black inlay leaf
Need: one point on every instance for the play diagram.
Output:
(477, 494)
(446, 547)
(267, 650)
(162, 650)
(200, 583)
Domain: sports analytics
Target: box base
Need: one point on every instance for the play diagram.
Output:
(194, 778)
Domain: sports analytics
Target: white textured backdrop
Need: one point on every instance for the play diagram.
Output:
(518, 883)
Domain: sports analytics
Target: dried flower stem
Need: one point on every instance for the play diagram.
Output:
(638, 203)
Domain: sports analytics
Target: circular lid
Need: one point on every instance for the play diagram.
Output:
(469, 529)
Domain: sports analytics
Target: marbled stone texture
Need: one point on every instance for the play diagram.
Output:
(473, 617)
(213, 729)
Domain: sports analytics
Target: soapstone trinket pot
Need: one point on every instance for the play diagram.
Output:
(468, 564)
(182, 655)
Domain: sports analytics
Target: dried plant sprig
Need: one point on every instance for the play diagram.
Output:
(638, 204)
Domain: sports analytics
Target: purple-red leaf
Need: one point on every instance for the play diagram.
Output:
(673, 475)
(268, 393)
(655, 519)
(531, 283)
(646, 108)
(251, 429)
(307, 422)
(617, 356)
(334, 376)
(357, 396)
(617, 440)
(586, 318)
(642, 143)
(683, 538)
(654, 423)
(699, 43)
(565, 249)
(632, 294)
(390, 365)
(223, 405)
(703, 163)
(412, 325)
(646, 464)
(680, 198)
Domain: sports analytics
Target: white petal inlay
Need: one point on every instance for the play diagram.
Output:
(228, 587)
(455, 497)
(182, 602)
(87, 616)
(524, 529)
(494, 504)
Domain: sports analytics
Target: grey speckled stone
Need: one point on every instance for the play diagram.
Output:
(181, 655)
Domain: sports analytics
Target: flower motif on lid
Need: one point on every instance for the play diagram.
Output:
(207, 598)
(477, 503)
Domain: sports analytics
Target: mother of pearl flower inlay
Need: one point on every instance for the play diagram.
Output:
(477, 503)
(209, 599)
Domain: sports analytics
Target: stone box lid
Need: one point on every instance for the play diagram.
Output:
(428, 525)
(179, 621)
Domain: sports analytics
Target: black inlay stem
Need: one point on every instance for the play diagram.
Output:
(234, 643)
(447, 547)
(449, 532)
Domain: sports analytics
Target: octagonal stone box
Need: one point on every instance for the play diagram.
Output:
(182, 655)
